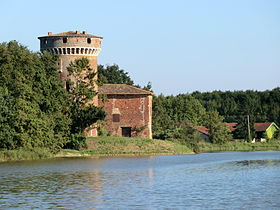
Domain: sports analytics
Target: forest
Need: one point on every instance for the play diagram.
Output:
(36, 111)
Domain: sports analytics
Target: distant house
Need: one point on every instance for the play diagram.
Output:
(265, 130)
(204, 132)
(231, 126)
(129, 110)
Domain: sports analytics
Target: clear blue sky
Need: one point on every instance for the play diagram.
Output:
(180, 45)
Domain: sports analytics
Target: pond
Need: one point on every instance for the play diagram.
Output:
(230, 180)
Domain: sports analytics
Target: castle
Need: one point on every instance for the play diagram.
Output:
(129, 109)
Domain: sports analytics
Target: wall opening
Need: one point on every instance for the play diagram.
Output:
(89, 40)
(116, 117)
(126, 131)
(64, 39)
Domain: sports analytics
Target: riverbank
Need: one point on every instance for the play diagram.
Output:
(103, 147)
(128, 147)
(239, 146)
(125, 147)
(24, 154)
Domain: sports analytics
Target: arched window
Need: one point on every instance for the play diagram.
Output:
(64, 39)
(89, 40)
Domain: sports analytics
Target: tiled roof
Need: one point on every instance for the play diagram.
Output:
(262, 126)
(202, 129)
(73, 34)
(231, 126)
(122, 89)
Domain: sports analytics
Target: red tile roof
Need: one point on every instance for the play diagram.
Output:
(231, 126)
(262, 126)
(122, 89)
(202, 129)
(72, 34)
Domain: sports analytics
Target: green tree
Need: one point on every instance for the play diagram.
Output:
(242, 131)
(170, 112)
(218, 131)
(34, 104)
(113, 75)
(81, 91)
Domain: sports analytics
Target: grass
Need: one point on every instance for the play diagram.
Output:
(24, 154)
(113, 146)
(118, 146)
(239, 146)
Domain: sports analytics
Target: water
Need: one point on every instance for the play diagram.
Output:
(231, 180)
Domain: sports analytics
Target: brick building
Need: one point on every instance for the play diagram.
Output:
(129, 109)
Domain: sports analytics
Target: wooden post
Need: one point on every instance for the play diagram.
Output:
(249, 131)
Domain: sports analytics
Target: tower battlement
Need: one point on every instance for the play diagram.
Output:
(71, 43)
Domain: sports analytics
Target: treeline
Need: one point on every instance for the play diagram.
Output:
(262, 106)
(176, 117)
(36, 111)
(171, 112)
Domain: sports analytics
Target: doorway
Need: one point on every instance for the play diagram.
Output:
(126, 131)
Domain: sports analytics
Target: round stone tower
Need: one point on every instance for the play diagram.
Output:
(69, 46)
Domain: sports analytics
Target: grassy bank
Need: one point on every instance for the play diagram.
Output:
(24, 154)
(116, 146)
(119, 146)
(239, 146)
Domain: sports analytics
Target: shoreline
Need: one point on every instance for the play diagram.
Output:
(73, 155)
(113, 147)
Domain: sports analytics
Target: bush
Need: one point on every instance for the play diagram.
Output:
(77, 141)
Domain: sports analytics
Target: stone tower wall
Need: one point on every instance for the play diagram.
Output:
(69, 46)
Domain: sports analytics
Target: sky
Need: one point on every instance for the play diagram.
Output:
(180, 46)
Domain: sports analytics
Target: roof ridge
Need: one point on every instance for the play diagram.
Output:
(131, 86)
(123, 89)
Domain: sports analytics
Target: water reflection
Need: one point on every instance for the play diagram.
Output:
(264, 163)
(216, 181)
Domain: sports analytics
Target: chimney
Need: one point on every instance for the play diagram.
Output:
(78, 32)
(49, 33)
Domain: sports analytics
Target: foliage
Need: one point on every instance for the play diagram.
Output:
(76, 141)
(81, 84)
(242, 131)
(34, 105)
(218, 131)
(113, 75)
(24, 154)
(262, 106)
(171, 112)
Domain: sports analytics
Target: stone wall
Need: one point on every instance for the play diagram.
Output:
(128, 111)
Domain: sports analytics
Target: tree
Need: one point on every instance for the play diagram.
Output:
(243, 129)
(34, 105)
(218, 131)
(81, 91)
(113, 75)
(170, 112)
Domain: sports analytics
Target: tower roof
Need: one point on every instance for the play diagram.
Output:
(71, 34)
